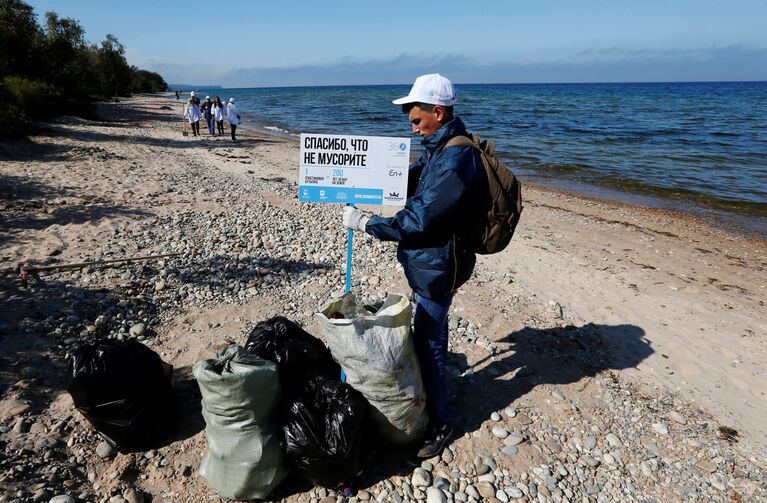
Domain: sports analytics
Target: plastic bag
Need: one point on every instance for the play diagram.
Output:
(298, 354)
(376, 352)
(240, 398)
(323, 431)
(124, 389)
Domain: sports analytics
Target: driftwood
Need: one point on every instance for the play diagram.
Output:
(25, 271)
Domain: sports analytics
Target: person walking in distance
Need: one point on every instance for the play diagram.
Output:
(192, 114)
(219, 112)
(207, 112)
(432, 232)
(233, 116)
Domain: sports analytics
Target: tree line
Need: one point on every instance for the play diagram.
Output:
(50, 69)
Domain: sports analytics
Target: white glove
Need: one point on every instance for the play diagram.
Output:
(355, 219)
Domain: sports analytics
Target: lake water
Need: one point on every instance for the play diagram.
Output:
(700, 148)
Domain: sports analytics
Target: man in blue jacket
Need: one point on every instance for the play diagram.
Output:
(445, 186)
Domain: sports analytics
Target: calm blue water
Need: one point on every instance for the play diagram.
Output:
(695, 147)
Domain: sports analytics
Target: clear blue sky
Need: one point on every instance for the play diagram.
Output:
(261, 43)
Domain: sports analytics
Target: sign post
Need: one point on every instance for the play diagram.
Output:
(349, 238)
(353, 170)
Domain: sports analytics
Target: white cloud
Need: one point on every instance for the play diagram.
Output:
(597, 65)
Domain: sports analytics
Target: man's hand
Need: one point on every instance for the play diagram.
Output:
(354, 218)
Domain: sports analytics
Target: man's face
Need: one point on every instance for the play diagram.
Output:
(424, 122)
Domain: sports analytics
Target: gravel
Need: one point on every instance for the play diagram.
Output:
(630, 444)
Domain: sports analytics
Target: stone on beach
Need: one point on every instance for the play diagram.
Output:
(548, 415)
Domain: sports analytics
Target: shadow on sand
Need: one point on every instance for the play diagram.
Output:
(26, 206)
(534, 357)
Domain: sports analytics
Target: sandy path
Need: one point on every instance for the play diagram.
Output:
(697, 293)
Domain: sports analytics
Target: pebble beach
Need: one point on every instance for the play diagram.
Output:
(612, 353)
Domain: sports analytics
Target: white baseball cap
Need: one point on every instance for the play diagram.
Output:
(433, 89)
(231, 100)
(191, 94)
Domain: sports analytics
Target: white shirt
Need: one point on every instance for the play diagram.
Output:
(232, 114)
(192, 113)
(219, 113)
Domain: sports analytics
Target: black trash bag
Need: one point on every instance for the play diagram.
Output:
(323, 432)
(124, 389)
(298, 354)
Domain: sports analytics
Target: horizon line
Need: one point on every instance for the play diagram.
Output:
(218, 86)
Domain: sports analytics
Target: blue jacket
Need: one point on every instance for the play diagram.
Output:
(444, 186)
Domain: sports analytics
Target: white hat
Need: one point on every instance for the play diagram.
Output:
(231, 100)
(191, 94)
(207, 97)
(433, 89)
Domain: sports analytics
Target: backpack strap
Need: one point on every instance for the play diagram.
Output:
(484, 146)
(463, 141)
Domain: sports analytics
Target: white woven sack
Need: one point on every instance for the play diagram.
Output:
(377, 355)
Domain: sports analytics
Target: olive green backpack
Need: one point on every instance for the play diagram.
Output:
(493, 232)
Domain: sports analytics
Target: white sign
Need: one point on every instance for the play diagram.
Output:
(353, 169)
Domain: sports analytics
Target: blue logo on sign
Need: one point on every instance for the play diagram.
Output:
(402, 147)
(341, 195)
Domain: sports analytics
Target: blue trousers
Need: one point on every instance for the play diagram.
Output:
(211, 124)
(430, 334)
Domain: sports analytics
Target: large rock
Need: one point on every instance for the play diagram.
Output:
(435, 495)
(500, 432)
(510, 450)
(133, 496)
(13, 407)
(104, 450)
(613, 440)
(485, 489)
(421, 478)
(137, 330)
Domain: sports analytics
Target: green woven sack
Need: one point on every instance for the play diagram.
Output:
(240, 399)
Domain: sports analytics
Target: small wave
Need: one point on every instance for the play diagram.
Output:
(580, 130)
(562, 168)
(518, 159)
(616, 140)
(271, 130)
(722, 202)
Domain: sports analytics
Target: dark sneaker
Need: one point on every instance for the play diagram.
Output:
(436, 440)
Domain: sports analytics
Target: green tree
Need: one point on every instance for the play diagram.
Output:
(19, 39)
(51, 69)
(143, 81)
(66, 57)
(112, 70)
